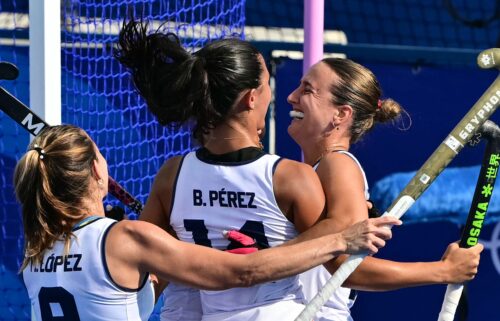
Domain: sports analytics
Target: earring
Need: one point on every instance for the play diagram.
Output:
(100, 181)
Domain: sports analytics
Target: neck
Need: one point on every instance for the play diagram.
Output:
(93, 206)
(230, 137)
(312, 154)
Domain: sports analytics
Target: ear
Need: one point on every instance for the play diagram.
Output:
(95, 170)
(249, 99)
(344, 114)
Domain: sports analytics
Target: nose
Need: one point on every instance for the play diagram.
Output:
(291, 99)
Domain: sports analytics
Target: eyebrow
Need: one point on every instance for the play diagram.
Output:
(307, 83)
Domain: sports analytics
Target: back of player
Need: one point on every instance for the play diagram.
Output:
(79, 287)
(235, 191)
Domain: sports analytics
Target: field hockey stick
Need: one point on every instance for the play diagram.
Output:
(434, 165)
(477, 212)
(33, 123)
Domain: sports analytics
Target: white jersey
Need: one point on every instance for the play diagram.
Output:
(337, 308)
(235, 191)
(79, 287)
(181, 303)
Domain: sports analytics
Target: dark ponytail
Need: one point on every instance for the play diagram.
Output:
(179, 86)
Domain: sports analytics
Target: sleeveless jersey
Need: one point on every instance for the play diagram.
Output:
(337, 308)
(214, 195)
(79, 287)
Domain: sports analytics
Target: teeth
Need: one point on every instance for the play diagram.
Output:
(296, 114)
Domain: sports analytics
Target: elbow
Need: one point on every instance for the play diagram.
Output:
(233, 277)
(246, 278)
(248, 275)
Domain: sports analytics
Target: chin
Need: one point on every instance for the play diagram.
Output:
(292, 132)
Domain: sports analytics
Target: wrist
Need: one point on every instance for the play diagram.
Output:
(342, 245)
(441, 272)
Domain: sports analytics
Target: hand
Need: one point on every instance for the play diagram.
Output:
(461, 264)
(369, 235)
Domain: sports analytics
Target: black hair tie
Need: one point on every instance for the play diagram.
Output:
(40, 151)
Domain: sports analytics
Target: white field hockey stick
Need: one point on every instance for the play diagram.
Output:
(440, 158)
(478, 209)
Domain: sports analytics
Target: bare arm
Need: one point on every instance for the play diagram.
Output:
(299, 195)
(345, 201)
(343, 208)
(157, 208)
(135, 248)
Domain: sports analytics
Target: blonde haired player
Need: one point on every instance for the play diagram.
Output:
(80, 265)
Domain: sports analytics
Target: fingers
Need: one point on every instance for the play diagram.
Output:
(369, 235)
(478, 248)
(386, 220)
(462, 263)
(382, 232)
(376, 244)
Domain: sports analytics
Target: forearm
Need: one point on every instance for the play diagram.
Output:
(323, 227)
(211, 269)
(284, 261)
(383, 275)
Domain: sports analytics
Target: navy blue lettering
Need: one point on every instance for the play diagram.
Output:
(58, 295)
(254, 229)
(67, 267)
(212, 196)
(197, 198)
(250, 202)
(58, 261)
(199, 230)
(78, 258)
(241, 200)
(222, 197)
(231, 199)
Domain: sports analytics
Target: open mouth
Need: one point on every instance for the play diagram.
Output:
(296, 114)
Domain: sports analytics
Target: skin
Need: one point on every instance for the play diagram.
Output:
(325, 128)
(135, 248)
(297, 188)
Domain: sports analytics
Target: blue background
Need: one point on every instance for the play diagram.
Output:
(435, 95)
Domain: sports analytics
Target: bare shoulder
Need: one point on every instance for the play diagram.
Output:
(344, 186)
(139, 232)
(299, 194)
(335, 160)
(289, 170)
(157, 208)
(339, 166)
(169, 169)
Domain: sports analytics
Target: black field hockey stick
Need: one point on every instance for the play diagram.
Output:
(477, 212)
(33, 123)
(440, 158)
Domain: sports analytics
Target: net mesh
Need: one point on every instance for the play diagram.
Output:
(98, 96)
(97, 92)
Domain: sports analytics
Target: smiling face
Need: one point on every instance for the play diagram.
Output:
(313, 101)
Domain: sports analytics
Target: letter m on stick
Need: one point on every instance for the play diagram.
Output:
(33, 128)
